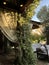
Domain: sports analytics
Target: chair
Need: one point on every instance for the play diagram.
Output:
(36, 45)
(43, 52)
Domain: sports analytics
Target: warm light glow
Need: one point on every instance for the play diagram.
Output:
(37, 31)
(21, 5)
(43, 42)
(4, 3)
(35, 5)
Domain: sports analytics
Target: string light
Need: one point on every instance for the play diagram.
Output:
(4, 3)
(21, 5)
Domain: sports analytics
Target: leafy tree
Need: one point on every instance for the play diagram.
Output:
(25, 54)
(43, 15)
(46, 30)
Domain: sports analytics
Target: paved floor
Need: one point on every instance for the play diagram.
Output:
(42, 62)
(7, 59)
(4, 60)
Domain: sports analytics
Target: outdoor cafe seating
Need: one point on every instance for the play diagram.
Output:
(42, 51)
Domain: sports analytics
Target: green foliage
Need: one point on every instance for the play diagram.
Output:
(36, 38)
(29, 11)
(26, 52)
(46, 32)
(43, 15)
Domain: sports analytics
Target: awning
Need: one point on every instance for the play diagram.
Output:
(9, 34)
(35, 24)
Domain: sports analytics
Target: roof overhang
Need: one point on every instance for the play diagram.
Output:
(17, 5)
(35, 24)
